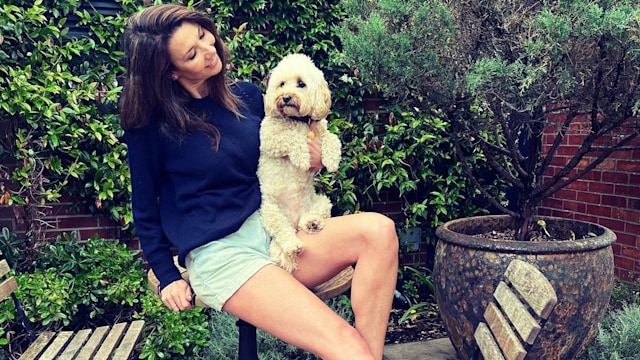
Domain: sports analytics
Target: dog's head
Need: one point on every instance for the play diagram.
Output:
(297, 89)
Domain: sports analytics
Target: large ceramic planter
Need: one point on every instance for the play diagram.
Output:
(467, 270)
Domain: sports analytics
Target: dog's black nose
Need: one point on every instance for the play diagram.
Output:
(286, 99)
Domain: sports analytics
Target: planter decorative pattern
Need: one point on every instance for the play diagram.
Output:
(468, 268)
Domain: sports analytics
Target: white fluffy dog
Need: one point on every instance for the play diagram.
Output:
(296, 95)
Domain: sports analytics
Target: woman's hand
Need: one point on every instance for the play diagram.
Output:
(177, 295)
(314, 148)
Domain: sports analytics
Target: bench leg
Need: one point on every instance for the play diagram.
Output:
(247, 342)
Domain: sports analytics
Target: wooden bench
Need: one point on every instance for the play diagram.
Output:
(247, 342)
(524, 284)
(116, 342)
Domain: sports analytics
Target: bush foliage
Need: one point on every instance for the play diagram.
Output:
(60, 104)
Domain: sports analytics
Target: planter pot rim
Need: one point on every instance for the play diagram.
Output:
(445, 233)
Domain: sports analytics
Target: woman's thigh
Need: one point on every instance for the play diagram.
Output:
(341, 243)
(278, 303)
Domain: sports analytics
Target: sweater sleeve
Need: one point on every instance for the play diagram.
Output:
(145, 159)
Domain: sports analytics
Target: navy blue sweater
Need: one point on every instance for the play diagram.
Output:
(185, 194)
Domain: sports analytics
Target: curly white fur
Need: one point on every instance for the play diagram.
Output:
(296, 88)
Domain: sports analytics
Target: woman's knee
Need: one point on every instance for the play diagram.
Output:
(381, 232)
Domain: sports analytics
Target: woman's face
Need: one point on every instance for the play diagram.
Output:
(194, 56)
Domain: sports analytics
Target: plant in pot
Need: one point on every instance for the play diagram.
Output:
(514, 78)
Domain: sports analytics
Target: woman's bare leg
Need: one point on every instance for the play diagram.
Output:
(279, 304)
(370, 241)
(282, 305)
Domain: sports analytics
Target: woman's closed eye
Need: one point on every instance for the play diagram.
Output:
(201, 35)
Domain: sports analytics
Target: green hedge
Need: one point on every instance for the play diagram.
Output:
(60, 104)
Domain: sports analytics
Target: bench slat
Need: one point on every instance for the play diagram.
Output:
(4, 267)
(75, 345)
(8, 287)
(129, 341)
(110, 342)
(94, 341)
(517, 313)
(533, 286)
(504, 335)
(38, 345)
(486, 343)
(56, 345)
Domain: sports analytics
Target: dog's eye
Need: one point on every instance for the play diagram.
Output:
(282, 84)
(301, 84)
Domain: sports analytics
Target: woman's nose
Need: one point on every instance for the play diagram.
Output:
(211, 52)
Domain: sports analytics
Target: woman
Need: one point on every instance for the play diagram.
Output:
(193, 151)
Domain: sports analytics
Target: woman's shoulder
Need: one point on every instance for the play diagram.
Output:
(247, 91)
(251, 97)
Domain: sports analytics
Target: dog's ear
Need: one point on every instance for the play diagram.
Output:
(322, 100)
(269, 102)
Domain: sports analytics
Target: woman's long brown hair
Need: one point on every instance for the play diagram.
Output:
(148, 89)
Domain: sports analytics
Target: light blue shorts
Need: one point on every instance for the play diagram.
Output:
(218, 269)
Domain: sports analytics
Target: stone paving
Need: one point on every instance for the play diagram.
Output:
(438, 349)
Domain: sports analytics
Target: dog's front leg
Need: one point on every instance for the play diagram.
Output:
(285, 245)
(330, 147)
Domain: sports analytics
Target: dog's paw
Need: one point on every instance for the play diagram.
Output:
(286, 256)
(314, 226)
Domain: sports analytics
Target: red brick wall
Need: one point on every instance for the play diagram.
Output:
(609, 195)
(61, 218)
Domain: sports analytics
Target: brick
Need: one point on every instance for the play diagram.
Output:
(588, 197)
(77, 222)
(574, 206)
(625, 239)
(615, 177)
(576, 140)
(629, 165)
(632, 228)
(624, 263)
(631, 252)
(552, 202)
(587, 217)
(627, 190)
(593, 175)
(597, 210)
(567, 150)
(601, 188)
(579, 185)
(625, 215)
(614, 225)
(566, 194)
(613, 200)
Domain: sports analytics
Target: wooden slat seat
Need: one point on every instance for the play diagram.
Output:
(510, 326)
(116, 342)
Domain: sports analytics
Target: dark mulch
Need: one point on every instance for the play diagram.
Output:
(423, 327)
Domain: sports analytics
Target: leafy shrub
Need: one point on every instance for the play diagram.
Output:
(618, 335)
(173, 335)
(76, 282)
(409, 155)
(12, 247)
